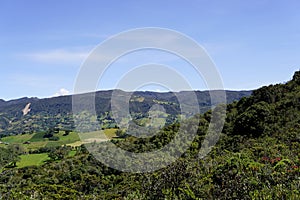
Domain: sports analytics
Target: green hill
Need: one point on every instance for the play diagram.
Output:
(256, 157)
(57, 111)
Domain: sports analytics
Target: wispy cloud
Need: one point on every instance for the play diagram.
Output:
(57, 56)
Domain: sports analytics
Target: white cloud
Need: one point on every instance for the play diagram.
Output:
(62, 92)
(64, 56)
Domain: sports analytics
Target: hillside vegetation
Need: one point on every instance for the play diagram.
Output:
(257, 157)
(57, 111)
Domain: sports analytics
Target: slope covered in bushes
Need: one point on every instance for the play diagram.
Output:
(257, 157)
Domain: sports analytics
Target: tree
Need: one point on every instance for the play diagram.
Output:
(5, 157)
(120, 133)
(59, 153)
(67, 132)
(254, 120)
(14, 151)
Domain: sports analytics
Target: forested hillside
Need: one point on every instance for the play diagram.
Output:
(257, 157)
(57, 111)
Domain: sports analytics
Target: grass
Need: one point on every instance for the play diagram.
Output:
(17, 138)
(35, 145)
(37, 137)
(76, 144)
(72, 153)
(54, 144)
(32, 160)
(37, 140)
(70, 138)
(110, 133)
(36, 159)
(89, 137)
(98, 135)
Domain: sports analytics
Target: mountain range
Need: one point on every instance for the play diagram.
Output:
(57, 111)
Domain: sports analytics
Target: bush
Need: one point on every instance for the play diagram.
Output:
(54, 138)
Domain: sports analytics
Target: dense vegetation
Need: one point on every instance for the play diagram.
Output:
(257, 157)
(57, 111)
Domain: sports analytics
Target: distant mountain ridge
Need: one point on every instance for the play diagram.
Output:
(57, 111)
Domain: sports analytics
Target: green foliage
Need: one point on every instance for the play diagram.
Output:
(253, 121)
(5, 157)
(120, 133)
(38, 137)
(56, 113)
(257, 157)
(17, 138)
(59, 153)
(15, 150)
(54, 138)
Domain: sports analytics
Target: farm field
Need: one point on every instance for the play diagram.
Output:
(32, 160)
(95, 136)
(36, 140)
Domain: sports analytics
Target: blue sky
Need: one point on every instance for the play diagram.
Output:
(43, 43)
